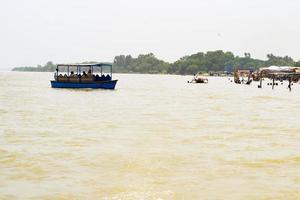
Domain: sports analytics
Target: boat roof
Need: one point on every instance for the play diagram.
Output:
(85, 65)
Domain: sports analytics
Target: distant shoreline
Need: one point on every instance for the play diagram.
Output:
(218, 61)
(191, 75)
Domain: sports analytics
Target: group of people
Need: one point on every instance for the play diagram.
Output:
(88, 75)
(84, 74)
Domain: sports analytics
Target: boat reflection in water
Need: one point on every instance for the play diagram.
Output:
(86, 76)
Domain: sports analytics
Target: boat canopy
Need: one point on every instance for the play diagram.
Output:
(282, 69)
(79, 67)
(86, 65)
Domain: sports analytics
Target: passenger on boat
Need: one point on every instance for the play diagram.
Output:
(72, 74)
(84, 74)
(89, 74)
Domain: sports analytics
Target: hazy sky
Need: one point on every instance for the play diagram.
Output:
(36, 31)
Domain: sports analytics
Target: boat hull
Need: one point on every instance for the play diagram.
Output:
(94, 85)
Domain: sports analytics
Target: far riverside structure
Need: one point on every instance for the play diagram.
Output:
(274, 73)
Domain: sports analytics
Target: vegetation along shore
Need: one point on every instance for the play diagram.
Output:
(199, 62)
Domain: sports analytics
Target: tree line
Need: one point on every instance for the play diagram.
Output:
(199, 62)
(48, 67)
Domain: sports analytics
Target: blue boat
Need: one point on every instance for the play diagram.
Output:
(85, 76)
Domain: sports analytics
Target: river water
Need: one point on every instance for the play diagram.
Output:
(154, 137)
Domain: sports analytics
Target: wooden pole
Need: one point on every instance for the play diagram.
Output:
(68, 73)
(56, 75)
(111, 72)
(79, 69)
(260, 85)
(290, 86)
